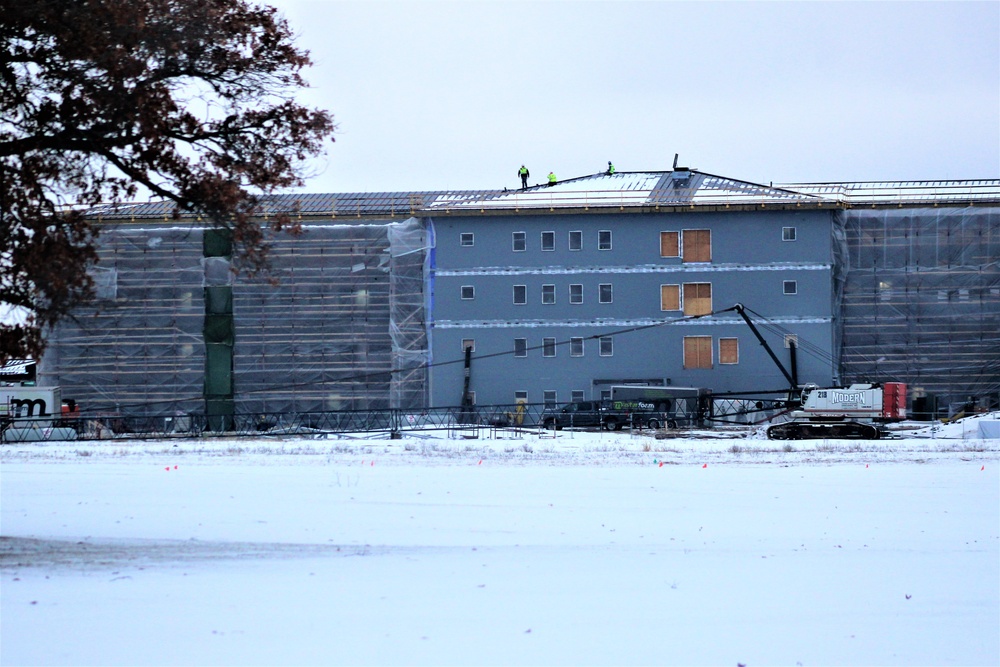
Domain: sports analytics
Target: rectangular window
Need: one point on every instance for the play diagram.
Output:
(604, 239)
(605, 293)
(788, 233)
(576, 240)
(576, 347)
(607, 346)
(468, 238)
(549, 398)
(548, 241)
(468, 292)
(577, 395)
(520, 347)
(548, 293)
(605, 394)
(548, 347)
(697, 298)
(521, 396)
(519, 242)
(789, 287)
(576, 293)
(697, 351)
(468, 344)
(670, 244)
(520, 295)
(729, 351)
(670, 297)
(697, 245)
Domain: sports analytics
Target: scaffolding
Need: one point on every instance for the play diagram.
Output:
(921, 302)
(338, 324)
(139, 345)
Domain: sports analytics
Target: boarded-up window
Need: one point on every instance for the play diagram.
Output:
(670, 297)
(697, 245)
(697, 298)
(697, 351)
(670, 244)
(729, 351)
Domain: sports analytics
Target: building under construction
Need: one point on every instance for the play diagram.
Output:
(559, 291)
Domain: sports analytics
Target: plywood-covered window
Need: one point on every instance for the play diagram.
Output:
(729, 350)
(670, 297)
(697, 298)
(670, 244)
(697, 245)
(697, 351)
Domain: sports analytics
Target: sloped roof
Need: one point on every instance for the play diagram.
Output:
(641, 189)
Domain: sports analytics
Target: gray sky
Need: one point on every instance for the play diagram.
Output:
(457, 95)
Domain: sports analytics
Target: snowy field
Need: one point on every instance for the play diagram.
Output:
(502, 549)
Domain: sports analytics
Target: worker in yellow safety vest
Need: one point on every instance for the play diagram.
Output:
(611, 168)
(523, 173)
(552, 178)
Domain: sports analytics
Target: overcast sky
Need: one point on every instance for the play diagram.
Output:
(457, 95)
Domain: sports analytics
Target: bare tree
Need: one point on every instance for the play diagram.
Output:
(190, 100)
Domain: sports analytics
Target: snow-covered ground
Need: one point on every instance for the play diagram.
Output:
(502, 549)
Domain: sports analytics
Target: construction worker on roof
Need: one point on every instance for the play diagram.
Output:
(552, 178)
(611, 168)
(523, 173)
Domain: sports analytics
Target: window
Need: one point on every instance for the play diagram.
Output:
(697, 351)
(576, 347)
(605, 293)
(468, 344)
(604, 239)
(605, 394)
(520, 295)
(789, 287)
(549, 398)
(607, 346)
(788, 233)
(520, 347)
(670, 297)
(577, 395)
(697, 245)
(729, 350)
(548, 293)
(548, 241)
(670, 244)
(576, 240)
(697, 298)
(521, 396)
(468, 292)
(576, 293)
(519, 242)
(468, 238)
(548, 347)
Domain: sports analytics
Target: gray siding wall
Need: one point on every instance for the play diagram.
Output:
(750, 263)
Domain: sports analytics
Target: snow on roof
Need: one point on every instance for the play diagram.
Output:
(681, 187)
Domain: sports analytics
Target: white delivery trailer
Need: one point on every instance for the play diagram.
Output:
(31, 414)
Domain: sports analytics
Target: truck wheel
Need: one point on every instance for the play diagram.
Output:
(653, 424)
(671, 423)
(611, 424)
(549, 424)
